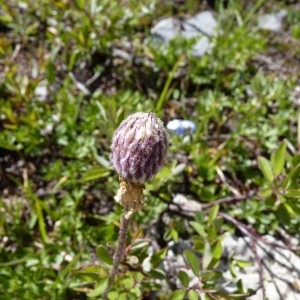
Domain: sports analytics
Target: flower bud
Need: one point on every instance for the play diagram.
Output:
(139, 147)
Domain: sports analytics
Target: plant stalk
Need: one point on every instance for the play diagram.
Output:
(125, 220)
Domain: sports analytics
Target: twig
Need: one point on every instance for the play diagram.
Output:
(118, 253)
(229, 200)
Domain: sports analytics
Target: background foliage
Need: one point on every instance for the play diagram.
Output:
(70, 72)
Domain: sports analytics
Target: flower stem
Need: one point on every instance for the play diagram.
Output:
(125, 220)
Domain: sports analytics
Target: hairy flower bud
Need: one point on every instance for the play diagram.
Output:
(139, 147)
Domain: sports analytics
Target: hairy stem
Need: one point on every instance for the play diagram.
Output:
(125, 220)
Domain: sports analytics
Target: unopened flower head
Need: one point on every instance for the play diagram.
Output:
(139, 147)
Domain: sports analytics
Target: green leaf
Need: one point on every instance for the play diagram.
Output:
(128, 282)
(266, 192)
(217, 250)
(177, 295)
(184, 278)
(207, 257)
(51, 72)
(266, 168)
(211, 275)
(298, 129)
(283, 214)
(95, 173)
(243, 263)
(278, 159)
(158, 257)
(157, 274)
(104, 255)
(198, 228)
(292, 193)
(213, 213)
(139, 245)
(294, 207)
(193, 295)
(292, 179)
(80, 3)
(192, 261)
(174, 234)
(99, 289)
(164, 173)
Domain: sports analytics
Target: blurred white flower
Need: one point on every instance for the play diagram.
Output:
(181, 127)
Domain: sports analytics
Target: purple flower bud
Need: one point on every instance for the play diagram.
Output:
(139, 147)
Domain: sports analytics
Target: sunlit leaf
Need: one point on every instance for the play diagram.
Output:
(217, 250)
(177, 295)
(292, 178)
(193, 295)
(99, 289)
(157, 274)
(207, 257)
(266, 168)
(278, 159)
(104, 255)
(293, 193)
(184, 278)
(243, 263)
(283, 214)
(198, 228)
(213, 213)
(94, 174)
(192, 261)
(158, 257)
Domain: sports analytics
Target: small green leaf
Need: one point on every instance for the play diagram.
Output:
(99, 289)
(266, 168)
(243, 263)
(158, 257)
(211, 275)
(51, 72)
(193, 295)
(217, 249)
(291, 180)
(278, 159)
(292, 193)
(207, 257)
(139, 245)
(266, 192)
(80, 3)
(294, 207)
(95, 173)
(128, 282)
(232, 270)
(164, 173)
(157, 274)
(174, 234)
(213, 213)
(198, 228)
(104, 255)
(192, 261)
(184, 278)
(177, 295)
(283, 214)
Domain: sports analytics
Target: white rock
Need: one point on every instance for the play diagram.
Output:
(202, 26)
(272, 22)
(281, 268)
(166, 29)
(203, 22)
(41, 92)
